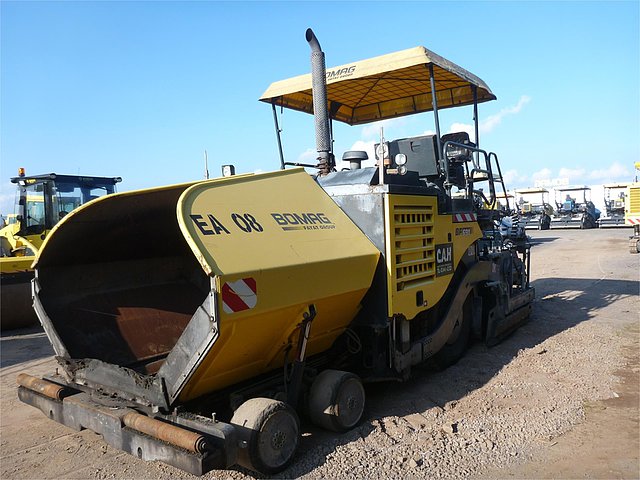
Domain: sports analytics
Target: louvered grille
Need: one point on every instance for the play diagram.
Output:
(634, 199)
(414, 249)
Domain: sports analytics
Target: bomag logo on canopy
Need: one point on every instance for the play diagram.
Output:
(303, 221)
(340, 73)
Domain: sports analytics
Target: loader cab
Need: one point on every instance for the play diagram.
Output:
(43, 200)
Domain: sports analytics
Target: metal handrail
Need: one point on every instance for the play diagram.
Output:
(477, 168)
(296, 164)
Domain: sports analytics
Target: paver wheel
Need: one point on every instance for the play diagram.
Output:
(336, 400)
(271, 430)
(545, 223)
(456, 346)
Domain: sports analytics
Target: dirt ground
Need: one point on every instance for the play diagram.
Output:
(560, 398)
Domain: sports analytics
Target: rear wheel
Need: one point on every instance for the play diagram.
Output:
(271, 430)
(336, 400)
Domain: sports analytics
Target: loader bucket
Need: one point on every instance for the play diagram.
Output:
(167, 294)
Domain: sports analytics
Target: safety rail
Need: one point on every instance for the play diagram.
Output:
(488, 170)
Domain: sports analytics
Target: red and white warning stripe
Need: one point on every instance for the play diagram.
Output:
(464, 217)
(239, 295)
(633, 221)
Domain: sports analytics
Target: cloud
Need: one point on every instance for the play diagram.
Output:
(309, 156)
(513, 179)
(492, 121)
(572, 174)
(7, 197)
(543, 174)
(615, 171)
(373, 130)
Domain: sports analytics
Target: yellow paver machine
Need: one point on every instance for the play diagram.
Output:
(194, 323)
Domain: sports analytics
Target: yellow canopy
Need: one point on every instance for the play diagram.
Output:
(383, 87)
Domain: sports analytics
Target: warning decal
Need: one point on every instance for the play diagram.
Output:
(239, 295)
(465, 217)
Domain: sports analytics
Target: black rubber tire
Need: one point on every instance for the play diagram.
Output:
(453, 350)
(271, 430)
(336, 400)
(545, 222)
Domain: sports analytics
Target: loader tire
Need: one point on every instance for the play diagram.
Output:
(336, 400)
(271, 430)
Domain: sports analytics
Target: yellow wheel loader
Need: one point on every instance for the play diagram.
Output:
(196, 324)
(41, 202)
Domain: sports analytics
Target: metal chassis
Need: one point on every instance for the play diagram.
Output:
(79, 411)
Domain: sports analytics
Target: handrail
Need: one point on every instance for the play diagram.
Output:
(488, 157)
(296, 164)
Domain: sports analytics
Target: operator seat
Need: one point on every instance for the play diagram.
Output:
(457, 156)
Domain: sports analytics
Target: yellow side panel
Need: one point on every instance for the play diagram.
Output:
(18, 253)
(423, 250)
(274, 244)
(16, 264)
(632, 204)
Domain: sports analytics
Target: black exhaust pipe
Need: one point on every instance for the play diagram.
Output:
(326, 161)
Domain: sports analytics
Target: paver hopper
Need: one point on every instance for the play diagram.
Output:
(208, 292)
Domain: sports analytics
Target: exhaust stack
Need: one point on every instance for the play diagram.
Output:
(319, 88)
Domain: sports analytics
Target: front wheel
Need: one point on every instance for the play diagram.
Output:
(336, 400)
(271, 430)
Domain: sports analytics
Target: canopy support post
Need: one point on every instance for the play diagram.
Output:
(275, 121)
(476, 122)
(434, 102)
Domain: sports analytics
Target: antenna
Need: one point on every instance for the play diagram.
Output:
(206, 166)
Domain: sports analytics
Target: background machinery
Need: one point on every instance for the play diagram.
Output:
(573, 211)
(253, 298)
(632, 211)
(614, 202)
(534, 209)
(41, 202)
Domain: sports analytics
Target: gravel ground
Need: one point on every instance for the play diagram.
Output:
(502, 411)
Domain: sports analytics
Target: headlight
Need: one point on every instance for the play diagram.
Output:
(400, 159)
